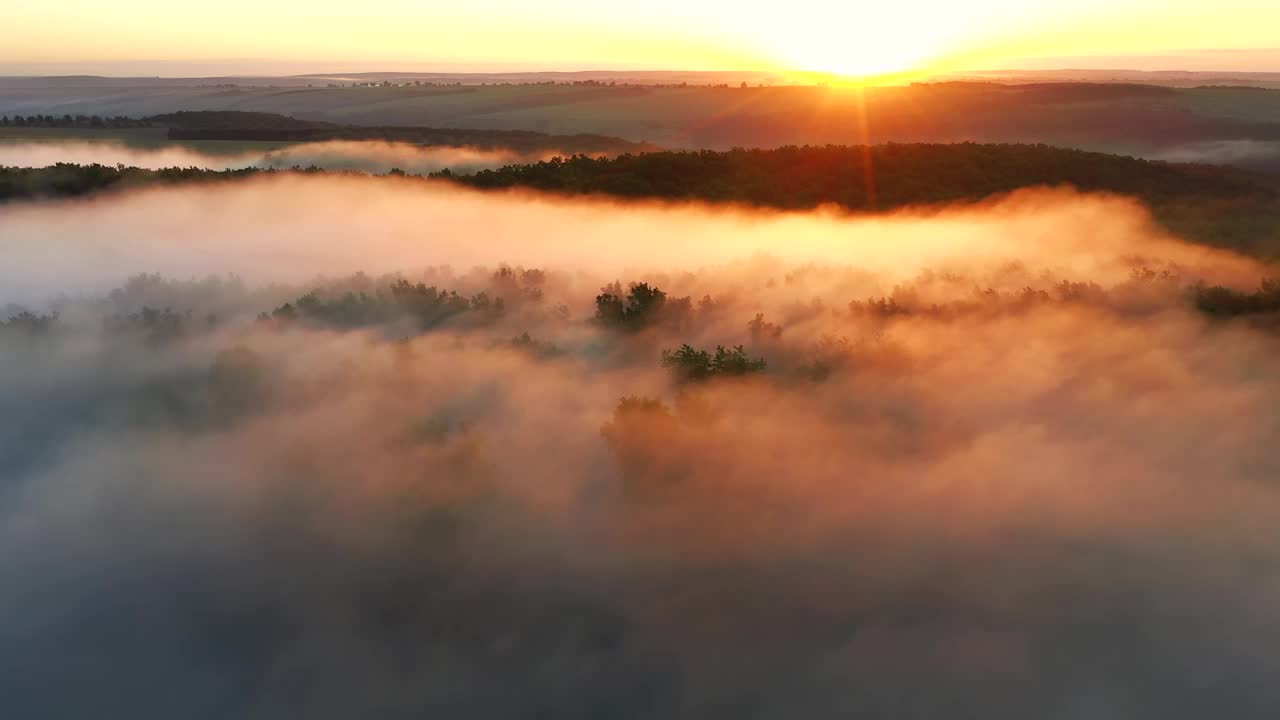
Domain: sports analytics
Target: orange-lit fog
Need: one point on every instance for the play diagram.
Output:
(363, 156)
(1037, 454)
(292, 228)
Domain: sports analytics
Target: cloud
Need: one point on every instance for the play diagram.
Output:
(373, 157)
(291, 228)
(1024, 494)
(1253, 153)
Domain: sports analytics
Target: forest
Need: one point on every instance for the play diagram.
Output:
(881, 177)
(499, 361)
(72, 121)
(246, 127)
(69, 180)
(301, 440)
(1215, 205)
(255, 126)
(1221, 123)
(878, 177)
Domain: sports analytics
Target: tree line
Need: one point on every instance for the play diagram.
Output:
(238, 125)
(1214, 205)
(868, 178)
(73, 121)
(71, 180)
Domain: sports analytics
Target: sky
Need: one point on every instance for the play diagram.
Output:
(853, 38)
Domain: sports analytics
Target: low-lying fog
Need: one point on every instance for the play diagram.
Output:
(368, 156)
(292, 228)
(995, 464)
(1259, 155)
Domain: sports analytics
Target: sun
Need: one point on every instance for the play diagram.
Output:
(853, 42)
(860, 58)
(854, 61)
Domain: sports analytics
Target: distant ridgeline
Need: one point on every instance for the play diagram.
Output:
(1215, 205)
(236, 125)
(219, 125)
(72, 121)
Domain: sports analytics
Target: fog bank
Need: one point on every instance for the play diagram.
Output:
(366, 156)
(992, 461)
(291, 228)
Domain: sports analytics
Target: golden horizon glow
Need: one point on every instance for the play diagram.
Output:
(863, 41)
(857, 40)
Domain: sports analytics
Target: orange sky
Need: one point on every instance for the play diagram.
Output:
(843, 37)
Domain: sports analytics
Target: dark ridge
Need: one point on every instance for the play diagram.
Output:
(1214, 205)
(1056, 91)
(234, 125)
(65, 180)
(517, 140)
(1091, 91)
(233, 120)
(882, 176)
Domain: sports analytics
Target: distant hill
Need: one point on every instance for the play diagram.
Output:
(233, 121)
(239, 125)
(1166, 78)
(1224, 125)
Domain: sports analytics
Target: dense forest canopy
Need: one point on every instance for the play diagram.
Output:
(228, 485)
(1220, 206)
(67, 120)
(858, 178)
(1215, 205)
(869, 178)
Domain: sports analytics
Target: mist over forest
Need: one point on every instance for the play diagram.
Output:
(640, 395)
(372, 157)
(310, 445)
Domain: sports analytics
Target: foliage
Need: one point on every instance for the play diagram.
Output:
(29, 323)
(519, 285)
(863, 178)
(884, 307)
(762, 329)
(661, 450)
(72, 121)
(524, 342)
(1225, 302)
(156, 327)
(232, 125)
(237, 383)
(642, 435)
(1219, 206)
(643, 306)
(70, 180)
(424, 306)
(693, 365)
